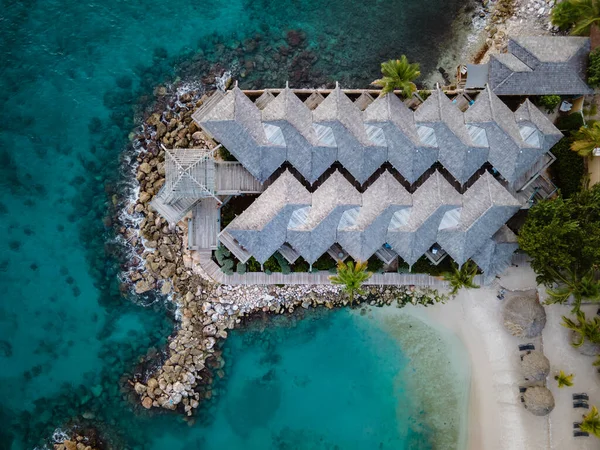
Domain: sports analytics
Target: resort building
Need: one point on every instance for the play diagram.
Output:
(537, 65)
(345, 174)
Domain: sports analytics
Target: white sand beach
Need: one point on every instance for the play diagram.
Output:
(497, 419)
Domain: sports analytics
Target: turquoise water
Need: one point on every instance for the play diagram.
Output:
(74, 76)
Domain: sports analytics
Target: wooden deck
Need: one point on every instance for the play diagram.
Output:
(173, 213)
(205, 225)
(322, 277)
(232, 178)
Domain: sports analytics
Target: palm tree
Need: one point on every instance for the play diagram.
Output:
(398, 74)
(564, 379)
(587, 139)
(586, 329)
(579, 14)
(585, 287)
(462, 277)
(591, 422)
(351, 276)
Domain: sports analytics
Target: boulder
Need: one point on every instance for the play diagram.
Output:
(142, 286)
(147, 402)
(145, 167)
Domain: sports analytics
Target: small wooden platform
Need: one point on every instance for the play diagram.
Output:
(204, 225)
(231, 178)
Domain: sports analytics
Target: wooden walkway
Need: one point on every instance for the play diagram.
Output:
(204, 226)
(231, 178)
(322, 277)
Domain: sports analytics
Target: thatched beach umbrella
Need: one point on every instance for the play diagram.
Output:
(539, 401)
(524, 317)
(535, 366)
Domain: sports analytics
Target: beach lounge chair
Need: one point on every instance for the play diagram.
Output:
(582, 396)
(581, 405)
(525, 347)
(522, 389)
(580, 434)
(576, 425)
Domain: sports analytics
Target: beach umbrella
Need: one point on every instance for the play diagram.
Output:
(539, 401)
(535, 366)
(524, 317)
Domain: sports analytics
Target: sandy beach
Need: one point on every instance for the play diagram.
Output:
(497, 419)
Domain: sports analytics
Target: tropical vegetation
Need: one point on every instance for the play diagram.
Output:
(578, 16)
(398, 74)
(568, 171)
(462, 277)
(593, 73)
(550, 102)
(585, 330)
(591, 422)
(562, 236)
(586, 140)
(563, 379)
(351, 276)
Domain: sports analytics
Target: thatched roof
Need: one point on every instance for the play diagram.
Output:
(412, 231)
(529, 115)
(486, 206)
(535, 366)
(524, 317)
(539, 401)
(541, 65)
(496, 254)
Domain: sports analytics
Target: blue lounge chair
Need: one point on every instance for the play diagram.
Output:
(582, 396)
(581, 405)
(525, 347)
(580, 434)
(522, 389)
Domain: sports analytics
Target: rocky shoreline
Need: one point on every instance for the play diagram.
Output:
(206, 310)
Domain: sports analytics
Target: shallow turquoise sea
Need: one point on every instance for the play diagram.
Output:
(74, 76)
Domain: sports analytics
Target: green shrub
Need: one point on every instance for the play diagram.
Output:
(227, 267)
(424, 94)
(226, 155)
(325, 262)
(570, 123)
(593, 72)
(271, 265)
(374, 264)
(241, 268)
(550, 102)
(568, 169)
(285, 266)
(252, 265)
(221, 253)
(300, 265)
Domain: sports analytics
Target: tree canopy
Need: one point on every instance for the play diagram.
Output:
(398, 74)
(351, 277)
(578, 14)
(586, 140)
(563, 237)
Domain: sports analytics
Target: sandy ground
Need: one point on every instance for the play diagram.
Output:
(497, 419)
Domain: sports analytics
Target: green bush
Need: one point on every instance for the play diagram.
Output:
(570, 123)
(271, 265)
(221, 253)
(568, 169)
(325, 262)
(374, 264)
(226, 155)
(593, 72)
(252, 265)
(241, 268)
(550, 102)
(285, 266)
(300, 265)
(227, 267)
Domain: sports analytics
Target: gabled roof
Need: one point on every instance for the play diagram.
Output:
(496, 254)
(508, 152)
(406, 152)
(541, 65)
(189, 173)
(457, 152)
(312, 230)
(486, 207)
(362, 232)
(413, 231)
(261, 229)
(356, 151)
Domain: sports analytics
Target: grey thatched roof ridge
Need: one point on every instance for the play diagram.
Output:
(313, 230)
(362, 238)
(528, 112)
(496, 254)
(261, 229)
(431, 201)
(557, 65)
(486, 207)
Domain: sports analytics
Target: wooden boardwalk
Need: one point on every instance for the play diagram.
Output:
(204, 225)
(231, 178)
(322, 277)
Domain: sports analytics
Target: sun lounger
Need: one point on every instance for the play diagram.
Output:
(580, 434)
(581, 405)
(524, 347)
(576, 425)
(522, 389)
(582, 396)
